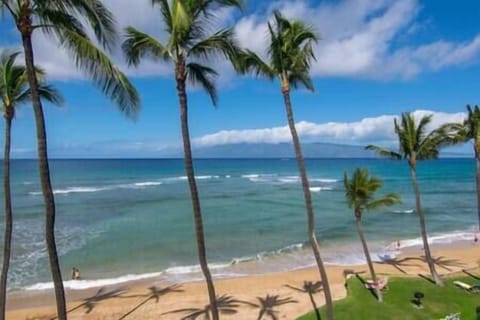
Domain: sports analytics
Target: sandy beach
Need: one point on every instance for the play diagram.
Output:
(242, 298)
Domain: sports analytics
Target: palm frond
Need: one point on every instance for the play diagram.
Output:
(102, 71)
(421, 129)
(49, 93)
(385, 201)
(165, 11)
(203, 76)
(384, 152)
(6, 6)
(14, 87)
(181, 21)
(207, 7)
(249, 62)
(220, 43)
(297, 79)
(456, 132)
(53, 21)
(360, 192)
(138, 45)
(96, 14)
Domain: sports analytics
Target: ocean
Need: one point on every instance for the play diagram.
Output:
(121, 220)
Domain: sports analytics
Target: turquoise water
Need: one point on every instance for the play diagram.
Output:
(126, 219)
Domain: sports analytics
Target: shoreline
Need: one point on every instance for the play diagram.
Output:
(114, 302)
(290, 258)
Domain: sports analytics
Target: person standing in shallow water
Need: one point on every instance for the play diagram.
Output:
(75, 274)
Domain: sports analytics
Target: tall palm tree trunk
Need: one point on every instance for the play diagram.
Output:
(369, 259)
(423, 229)
(308, 204)
(477, 180)
(7, 242)
(197, 213)
(48, 198)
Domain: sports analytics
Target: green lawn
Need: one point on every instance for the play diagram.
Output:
(438, 301)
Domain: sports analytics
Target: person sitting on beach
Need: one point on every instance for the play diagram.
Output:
(75, 274)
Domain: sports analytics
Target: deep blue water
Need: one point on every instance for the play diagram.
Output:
(121, 217)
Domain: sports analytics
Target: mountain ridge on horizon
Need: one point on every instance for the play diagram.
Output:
(318, 150)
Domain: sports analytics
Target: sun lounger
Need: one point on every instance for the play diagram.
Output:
(467, 287)
(382, 284)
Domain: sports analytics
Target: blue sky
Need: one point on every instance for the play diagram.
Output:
(376, 59)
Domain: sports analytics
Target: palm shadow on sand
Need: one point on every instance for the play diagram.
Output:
(153, 294)
(470, 274)
(227, 305)
(398, 263)
(267, 305)
(310, 288)
(444, 262)
(91, 302)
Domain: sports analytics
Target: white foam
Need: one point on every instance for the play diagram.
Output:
(148, 184)
(206, 177)
(289, 179)
(250, 176)
(193, 268)
(444, 238)
(324, 180)
(319, 189)
(404, 211)
(92, 189)
(86, 284)
(183, 178)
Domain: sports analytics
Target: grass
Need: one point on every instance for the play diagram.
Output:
(437, 303)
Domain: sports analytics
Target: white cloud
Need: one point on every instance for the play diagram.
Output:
(368, 130)
(358, 37)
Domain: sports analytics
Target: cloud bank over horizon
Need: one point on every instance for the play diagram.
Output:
(372, 130)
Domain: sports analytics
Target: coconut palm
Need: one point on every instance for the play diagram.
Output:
(67, 21)
(464, 132)
(415, 144)
(188, 48)
(360, 195)
(290, 54)
(14, 92)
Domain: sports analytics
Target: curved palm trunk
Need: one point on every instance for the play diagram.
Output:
(477, 180)
(369, 259)
(44, 174)
(197, 214)
(308, 203)
(423, 229)
(7, 243)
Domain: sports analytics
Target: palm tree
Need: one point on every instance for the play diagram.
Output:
(416, 145)
(290, 54)
(359, 194)
(189, 46)
(14, 92)
(66, 21)
(464, 132)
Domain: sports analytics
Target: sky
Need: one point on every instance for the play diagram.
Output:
(375, 60)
